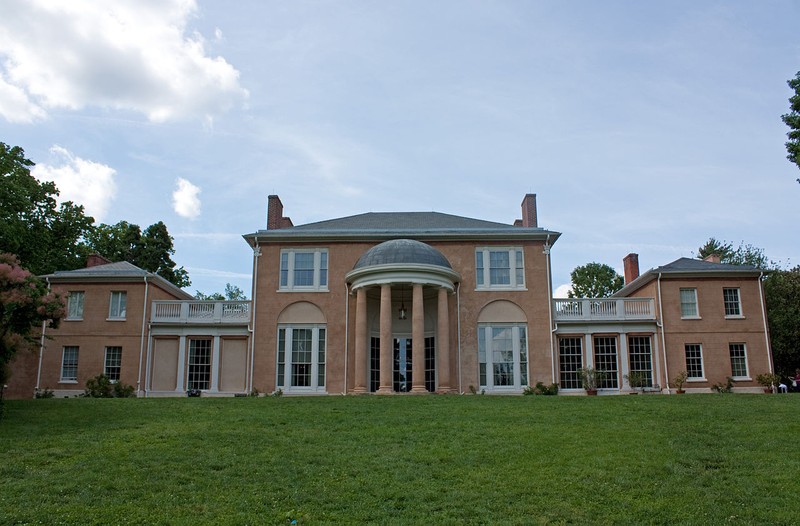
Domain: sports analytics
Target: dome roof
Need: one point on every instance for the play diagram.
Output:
(402, 251)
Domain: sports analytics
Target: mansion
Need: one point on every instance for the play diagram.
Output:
(402, 303)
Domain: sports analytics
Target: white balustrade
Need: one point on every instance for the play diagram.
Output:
(200, 311)
(601, 309)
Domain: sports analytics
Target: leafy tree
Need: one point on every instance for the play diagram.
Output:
(781, 291)
(595, 280)
(792, 120)
(149, 250)
(25, 303)
(744, 254)
(45, 236)
(232, 293)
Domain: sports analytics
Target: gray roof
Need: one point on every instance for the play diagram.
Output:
(397, 225)
(688, 267)
(699, 265)
(402, 251)
(119, 271)
(402, 221)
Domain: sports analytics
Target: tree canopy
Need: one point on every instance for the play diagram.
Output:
(150, 250)
(781, 291)
(792, 120)
(232, 293)
(595, 280)
(45, 236)
(25, 302)
(744, 254)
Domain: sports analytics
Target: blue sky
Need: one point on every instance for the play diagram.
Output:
(642, 127)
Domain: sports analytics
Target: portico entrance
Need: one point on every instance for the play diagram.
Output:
(402, 368)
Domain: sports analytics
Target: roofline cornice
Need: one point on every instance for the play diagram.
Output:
(653, 274)
(368, 235)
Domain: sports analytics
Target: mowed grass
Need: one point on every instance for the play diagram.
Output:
(692, 459)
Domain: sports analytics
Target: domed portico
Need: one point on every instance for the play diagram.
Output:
(398, 265)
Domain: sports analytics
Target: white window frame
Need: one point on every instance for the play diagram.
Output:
(570, 362)
(319, 345)
(69, 359)
(75, 301)
(640, 352)
(286, 270)
(606, 352)
(483, 268)
(520, 358)
(743, 358)
(696, 314)
(195, 367)
(115, 363)
(737, 303)
(702, 365)
(118, 305)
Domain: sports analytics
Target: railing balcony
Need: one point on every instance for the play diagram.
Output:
(604, 309)
(200, 312)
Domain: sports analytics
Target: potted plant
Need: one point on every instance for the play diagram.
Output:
(768, 381)
(637, 380)
(679, 381)
(591, 378)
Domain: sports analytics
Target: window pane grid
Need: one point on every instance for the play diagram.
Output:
(570, 355)
(199, 364)
(75, 305)
(69, 364)
(738, 360)
(305, 269)
(694, 360)
(731, 299)
(113, 363)
(301, 358)
(374, 364)
(281, 356)
(688, 303)
(605, 357)
(430, 364)
(117, 308)
(641, 357)
(321, 358)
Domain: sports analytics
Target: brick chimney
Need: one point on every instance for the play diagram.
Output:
(529, 219)
(95, 260)
(275, 218)
(631, 265)
(712, 258)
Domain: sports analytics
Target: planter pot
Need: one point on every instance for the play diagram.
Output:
(591, 392)
(679, 391)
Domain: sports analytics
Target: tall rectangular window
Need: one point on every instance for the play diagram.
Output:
(199, 376)
(75, 305)
(503, 356)
(689, 303)
(738, 360)
(69, 364)
(733, 307)
(605, 359)
(499, 267)
(640, 357)
(570, 359)
(113, 363)
(694, 360)
(117, 308)
(301, 357)
(304, 269)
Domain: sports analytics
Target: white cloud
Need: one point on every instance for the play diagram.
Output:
(127, 54)
(562, 291)
(185, 200)
(83, 182)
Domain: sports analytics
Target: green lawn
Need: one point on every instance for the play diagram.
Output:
(692, 459)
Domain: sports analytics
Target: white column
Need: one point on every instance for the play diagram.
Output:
(215, 359)
(181, 380)
(624, 366)
(589, 351)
